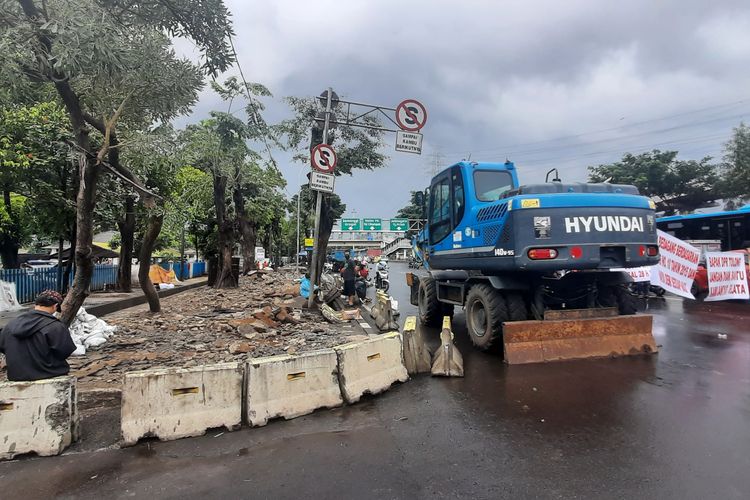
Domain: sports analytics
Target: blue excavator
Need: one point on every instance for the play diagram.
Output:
(537, 268)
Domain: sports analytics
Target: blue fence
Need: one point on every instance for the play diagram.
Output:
(185, 270)
(29, 282)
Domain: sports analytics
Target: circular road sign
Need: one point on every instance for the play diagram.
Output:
(411, 115)
(323, 158)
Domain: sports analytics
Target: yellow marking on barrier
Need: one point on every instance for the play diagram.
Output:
(410, 324)
(530, 203)
(373, 357)
(184, 390)
(6, 406)
(295, 376)
(446, 322)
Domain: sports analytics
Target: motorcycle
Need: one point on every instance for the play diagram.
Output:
(360, 288)
(381, 279)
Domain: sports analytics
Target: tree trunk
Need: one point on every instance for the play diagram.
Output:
(89, 171)
(126, 225)
(155, 221)
(60, 248)
(9, 246)
(85, 204)
(326, 227)
(69, 262)
(247, 231)
(225, 277)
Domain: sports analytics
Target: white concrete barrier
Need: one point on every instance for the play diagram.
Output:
(370, 366)
(39, 417)
(177, 403)
(291, 386)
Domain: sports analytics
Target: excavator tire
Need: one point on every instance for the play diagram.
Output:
(486, 310)
(430, 310)
(517, 310)
(617, 296)
(627, 304)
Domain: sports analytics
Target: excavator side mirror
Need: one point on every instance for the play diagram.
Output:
(419, 198)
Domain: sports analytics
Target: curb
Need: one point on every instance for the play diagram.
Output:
(118, 305)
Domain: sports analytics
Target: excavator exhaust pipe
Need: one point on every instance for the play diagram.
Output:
(447, 360)
(577, 334)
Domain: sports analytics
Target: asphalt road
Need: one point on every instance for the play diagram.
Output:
(672, 425)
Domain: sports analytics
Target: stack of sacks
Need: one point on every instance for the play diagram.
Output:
(89, 331)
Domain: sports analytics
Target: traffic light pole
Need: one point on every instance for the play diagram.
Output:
(315, 272)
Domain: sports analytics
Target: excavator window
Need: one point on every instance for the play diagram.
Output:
(490, 185)
(440, 209)
(458, 196)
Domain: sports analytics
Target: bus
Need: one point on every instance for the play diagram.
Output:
(731, 228)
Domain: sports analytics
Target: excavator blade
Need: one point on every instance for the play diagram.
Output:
(576, 334)
(447, 360)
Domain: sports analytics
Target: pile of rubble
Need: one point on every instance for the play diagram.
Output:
(263, 317)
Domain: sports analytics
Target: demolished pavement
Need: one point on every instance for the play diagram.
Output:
(262, 317)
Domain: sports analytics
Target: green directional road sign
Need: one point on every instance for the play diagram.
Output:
(399, 224)
(372, 224)
(350, 225)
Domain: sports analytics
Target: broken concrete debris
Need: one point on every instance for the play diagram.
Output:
(262, 317)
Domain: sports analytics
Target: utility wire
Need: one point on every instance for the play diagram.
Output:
(250, 99)
(611, 129)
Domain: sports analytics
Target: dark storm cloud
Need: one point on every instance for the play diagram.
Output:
(496, 74)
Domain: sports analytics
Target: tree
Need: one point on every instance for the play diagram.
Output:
(35, 163)
(676, 185)
(155, 157)
(15, 227)
(101, 55)
(356, 148)
(217, 146)
(736, 165)
(191, 206)
(412, 211)
(249, 181)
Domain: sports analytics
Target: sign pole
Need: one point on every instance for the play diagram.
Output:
(314, 268)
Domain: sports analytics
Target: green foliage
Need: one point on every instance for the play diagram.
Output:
(205, 22)
(108, 56)
(412, 210)
(16, 224)
(35, 160)
(355, 147)
(676, 185)
(736, 166)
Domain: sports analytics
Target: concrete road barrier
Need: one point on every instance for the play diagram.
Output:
(370, 367)
(39, 417)
(177, 403)
(291, 386)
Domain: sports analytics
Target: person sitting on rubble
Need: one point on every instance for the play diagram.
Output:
(36, 344)
(304, 286)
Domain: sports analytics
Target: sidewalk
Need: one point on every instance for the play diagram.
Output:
(97, 302)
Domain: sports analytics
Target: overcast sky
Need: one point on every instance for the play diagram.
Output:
(545, 84)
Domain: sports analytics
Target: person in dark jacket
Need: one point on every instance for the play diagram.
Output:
(36, 344)
(349, 274)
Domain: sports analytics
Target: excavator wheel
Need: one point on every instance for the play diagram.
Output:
(430, 310)
(517, 310)
(618, 296)
(486, 310)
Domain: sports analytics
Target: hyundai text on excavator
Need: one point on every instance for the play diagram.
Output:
(535, 266)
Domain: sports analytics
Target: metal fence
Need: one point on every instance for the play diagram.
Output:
(29, 282)
(185, 270)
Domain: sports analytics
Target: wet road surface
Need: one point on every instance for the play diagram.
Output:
(673, 425)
